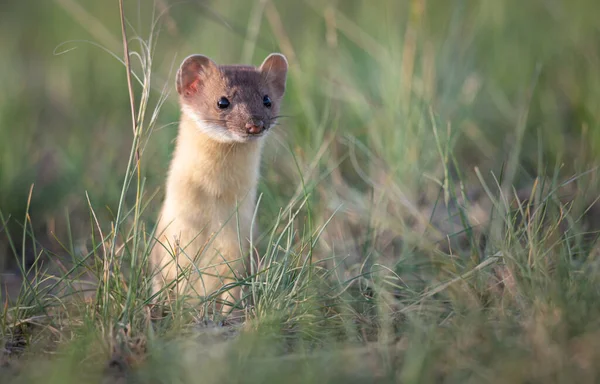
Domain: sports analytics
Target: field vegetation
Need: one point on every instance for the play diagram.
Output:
(428, 205)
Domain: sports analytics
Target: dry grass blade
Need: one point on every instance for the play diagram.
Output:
(128, 67)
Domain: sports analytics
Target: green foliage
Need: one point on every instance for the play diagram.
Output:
(428, 204)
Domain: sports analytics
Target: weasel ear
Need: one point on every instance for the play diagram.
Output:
(192, 72)
(274, 68)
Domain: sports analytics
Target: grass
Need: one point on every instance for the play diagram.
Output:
(428, 210)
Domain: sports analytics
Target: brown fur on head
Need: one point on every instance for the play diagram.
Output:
(232, 103)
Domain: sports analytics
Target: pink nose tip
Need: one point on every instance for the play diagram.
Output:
(254, 129)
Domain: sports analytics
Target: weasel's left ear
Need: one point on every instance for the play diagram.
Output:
(192, 74)
(274, 68)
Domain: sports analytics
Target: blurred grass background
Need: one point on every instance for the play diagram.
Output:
(391, 104)
(369, 71)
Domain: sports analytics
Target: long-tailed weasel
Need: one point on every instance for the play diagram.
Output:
(204, 227)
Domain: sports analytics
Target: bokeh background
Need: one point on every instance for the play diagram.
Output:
(414, 133)
(380, 93)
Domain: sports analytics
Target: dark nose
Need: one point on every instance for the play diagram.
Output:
(255, 127)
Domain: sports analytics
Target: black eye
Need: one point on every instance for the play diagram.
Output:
(267, 101)
(223, 103)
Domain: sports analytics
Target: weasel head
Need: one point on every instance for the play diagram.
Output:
(232, 103)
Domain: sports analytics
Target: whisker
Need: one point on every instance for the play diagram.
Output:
(278, 116)
(213, 120)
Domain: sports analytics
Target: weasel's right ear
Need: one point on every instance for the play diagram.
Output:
(275, 69)
(192, 72)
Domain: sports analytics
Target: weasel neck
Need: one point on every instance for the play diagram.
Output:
(211, 168)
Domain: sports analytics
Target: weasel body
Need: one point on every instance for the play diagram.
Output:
(204, 227)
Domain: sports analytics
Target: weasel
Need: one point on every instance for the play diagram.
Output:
(204, 228)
